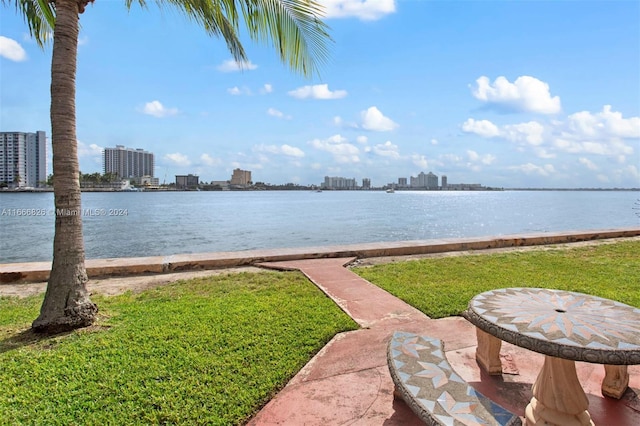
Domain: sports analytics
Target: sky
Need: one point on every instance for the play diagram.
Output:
(509, 94)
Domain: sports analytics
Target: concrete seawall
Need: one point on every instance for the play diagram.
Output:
(39, 271)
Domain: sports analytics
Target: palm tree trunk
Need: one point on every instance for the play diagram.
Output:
(66, 303)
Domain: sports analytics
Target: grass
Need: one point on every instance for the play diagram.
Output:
(442, 287)
(214, 350)
(207, 351)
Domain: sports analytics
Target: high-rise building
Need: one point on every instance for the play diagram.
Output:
(127, 163)
(432, 181)
(444, 182)
(366, 183)
(23, 159)
(338, 183)
(240, 177)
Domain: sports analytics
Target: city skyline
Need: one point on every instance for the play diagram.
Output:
(510, 94)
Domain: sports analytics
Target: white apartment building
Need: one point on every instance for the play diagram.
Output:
(338, 183)
(127, 162)
(23, 159)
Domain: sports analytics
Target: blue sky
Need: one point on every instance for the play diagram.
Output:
(502, 93)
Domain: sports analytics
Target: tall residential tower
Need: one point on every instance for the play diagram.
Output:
(128, 163)
(23, 159)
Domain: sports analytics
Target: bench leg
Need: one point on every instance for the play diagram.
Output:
(488, 352)
(615, 381)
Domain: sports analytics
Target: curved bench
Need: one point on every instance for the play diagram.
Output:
(433, 390)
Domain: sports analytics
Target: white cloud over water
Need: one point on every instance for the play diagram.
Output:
(318, 91)
(12, 50)
(231, 65)
(366, 10)
(525, 94)
(156, 109)
(374, 120)
(178, 159)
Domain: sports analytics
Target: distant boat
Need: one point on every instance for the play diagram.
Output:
(390, 191)
(318, 190)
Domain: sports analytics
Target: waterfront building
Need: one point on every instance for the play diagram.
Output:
(432, 181)
(366, 183)
(127, 162)
(444, 181)
(338, 183)
(426, 181)
(240, 177)
(148, 181)
(23, 159)
(402, 182)
(186, 181)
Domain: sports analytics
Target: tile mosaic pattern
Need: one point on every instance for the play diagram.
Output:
(433, 390)
(559, 323)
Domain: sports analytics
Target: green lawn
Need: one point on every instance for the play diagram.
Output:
(442, 287)
(214, 350)
(208, 351)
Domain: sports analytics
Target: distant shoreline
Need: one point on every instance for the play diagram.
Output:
(38, 190)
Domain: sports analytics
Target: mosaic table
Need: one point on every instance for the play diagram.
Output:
(565, 327)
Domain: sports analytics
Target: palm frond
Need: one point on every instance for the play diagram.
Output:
(40, 17)
(292, 27)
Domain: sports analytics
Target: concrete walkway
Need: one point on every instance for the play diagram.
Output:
(348, 382)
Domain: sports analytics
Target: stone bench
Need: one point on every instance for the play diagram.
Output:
(425, 380)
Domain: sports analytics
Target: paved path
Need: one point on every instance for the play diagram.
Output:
(348, 382)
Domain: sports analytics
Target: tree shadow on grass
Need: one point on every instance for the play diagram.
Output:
(28, 337)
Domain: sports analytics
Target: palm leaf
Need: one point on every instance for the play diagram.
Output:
(39, 16)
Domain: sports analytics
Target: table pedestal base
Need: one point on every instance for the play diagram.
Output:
(488, 352)
(616, 381)
(558, 398)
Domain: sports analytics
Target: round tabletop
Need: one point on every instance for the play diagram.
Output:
(560, 323)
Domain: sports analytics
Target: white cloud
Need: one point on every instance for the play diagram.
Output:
(230, 65)
(525, 94)
(156, 109)
(373, 119)
(11, 49)
(362, 139)
(208, 160)
(278, 114)
(366, 10)
(337, 145)
(608, 122)
(420, 161)
(530, 168)
(483, 128)
(91, 150)
(387, 149)
(267, 88)
(587, 163)
(434, 141)
(477, 158)
(288, 150)
(530, 133)
(238, 91)
(178, 159)
(318, 91)
(291, 151)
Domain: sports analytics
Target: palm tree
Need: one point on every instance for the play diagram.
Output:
(294, 29)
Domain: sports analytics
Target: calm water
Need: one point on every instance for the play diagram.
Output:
(166, 223)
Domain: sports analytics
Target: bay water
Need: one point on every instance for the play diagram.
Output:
(135, 224)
